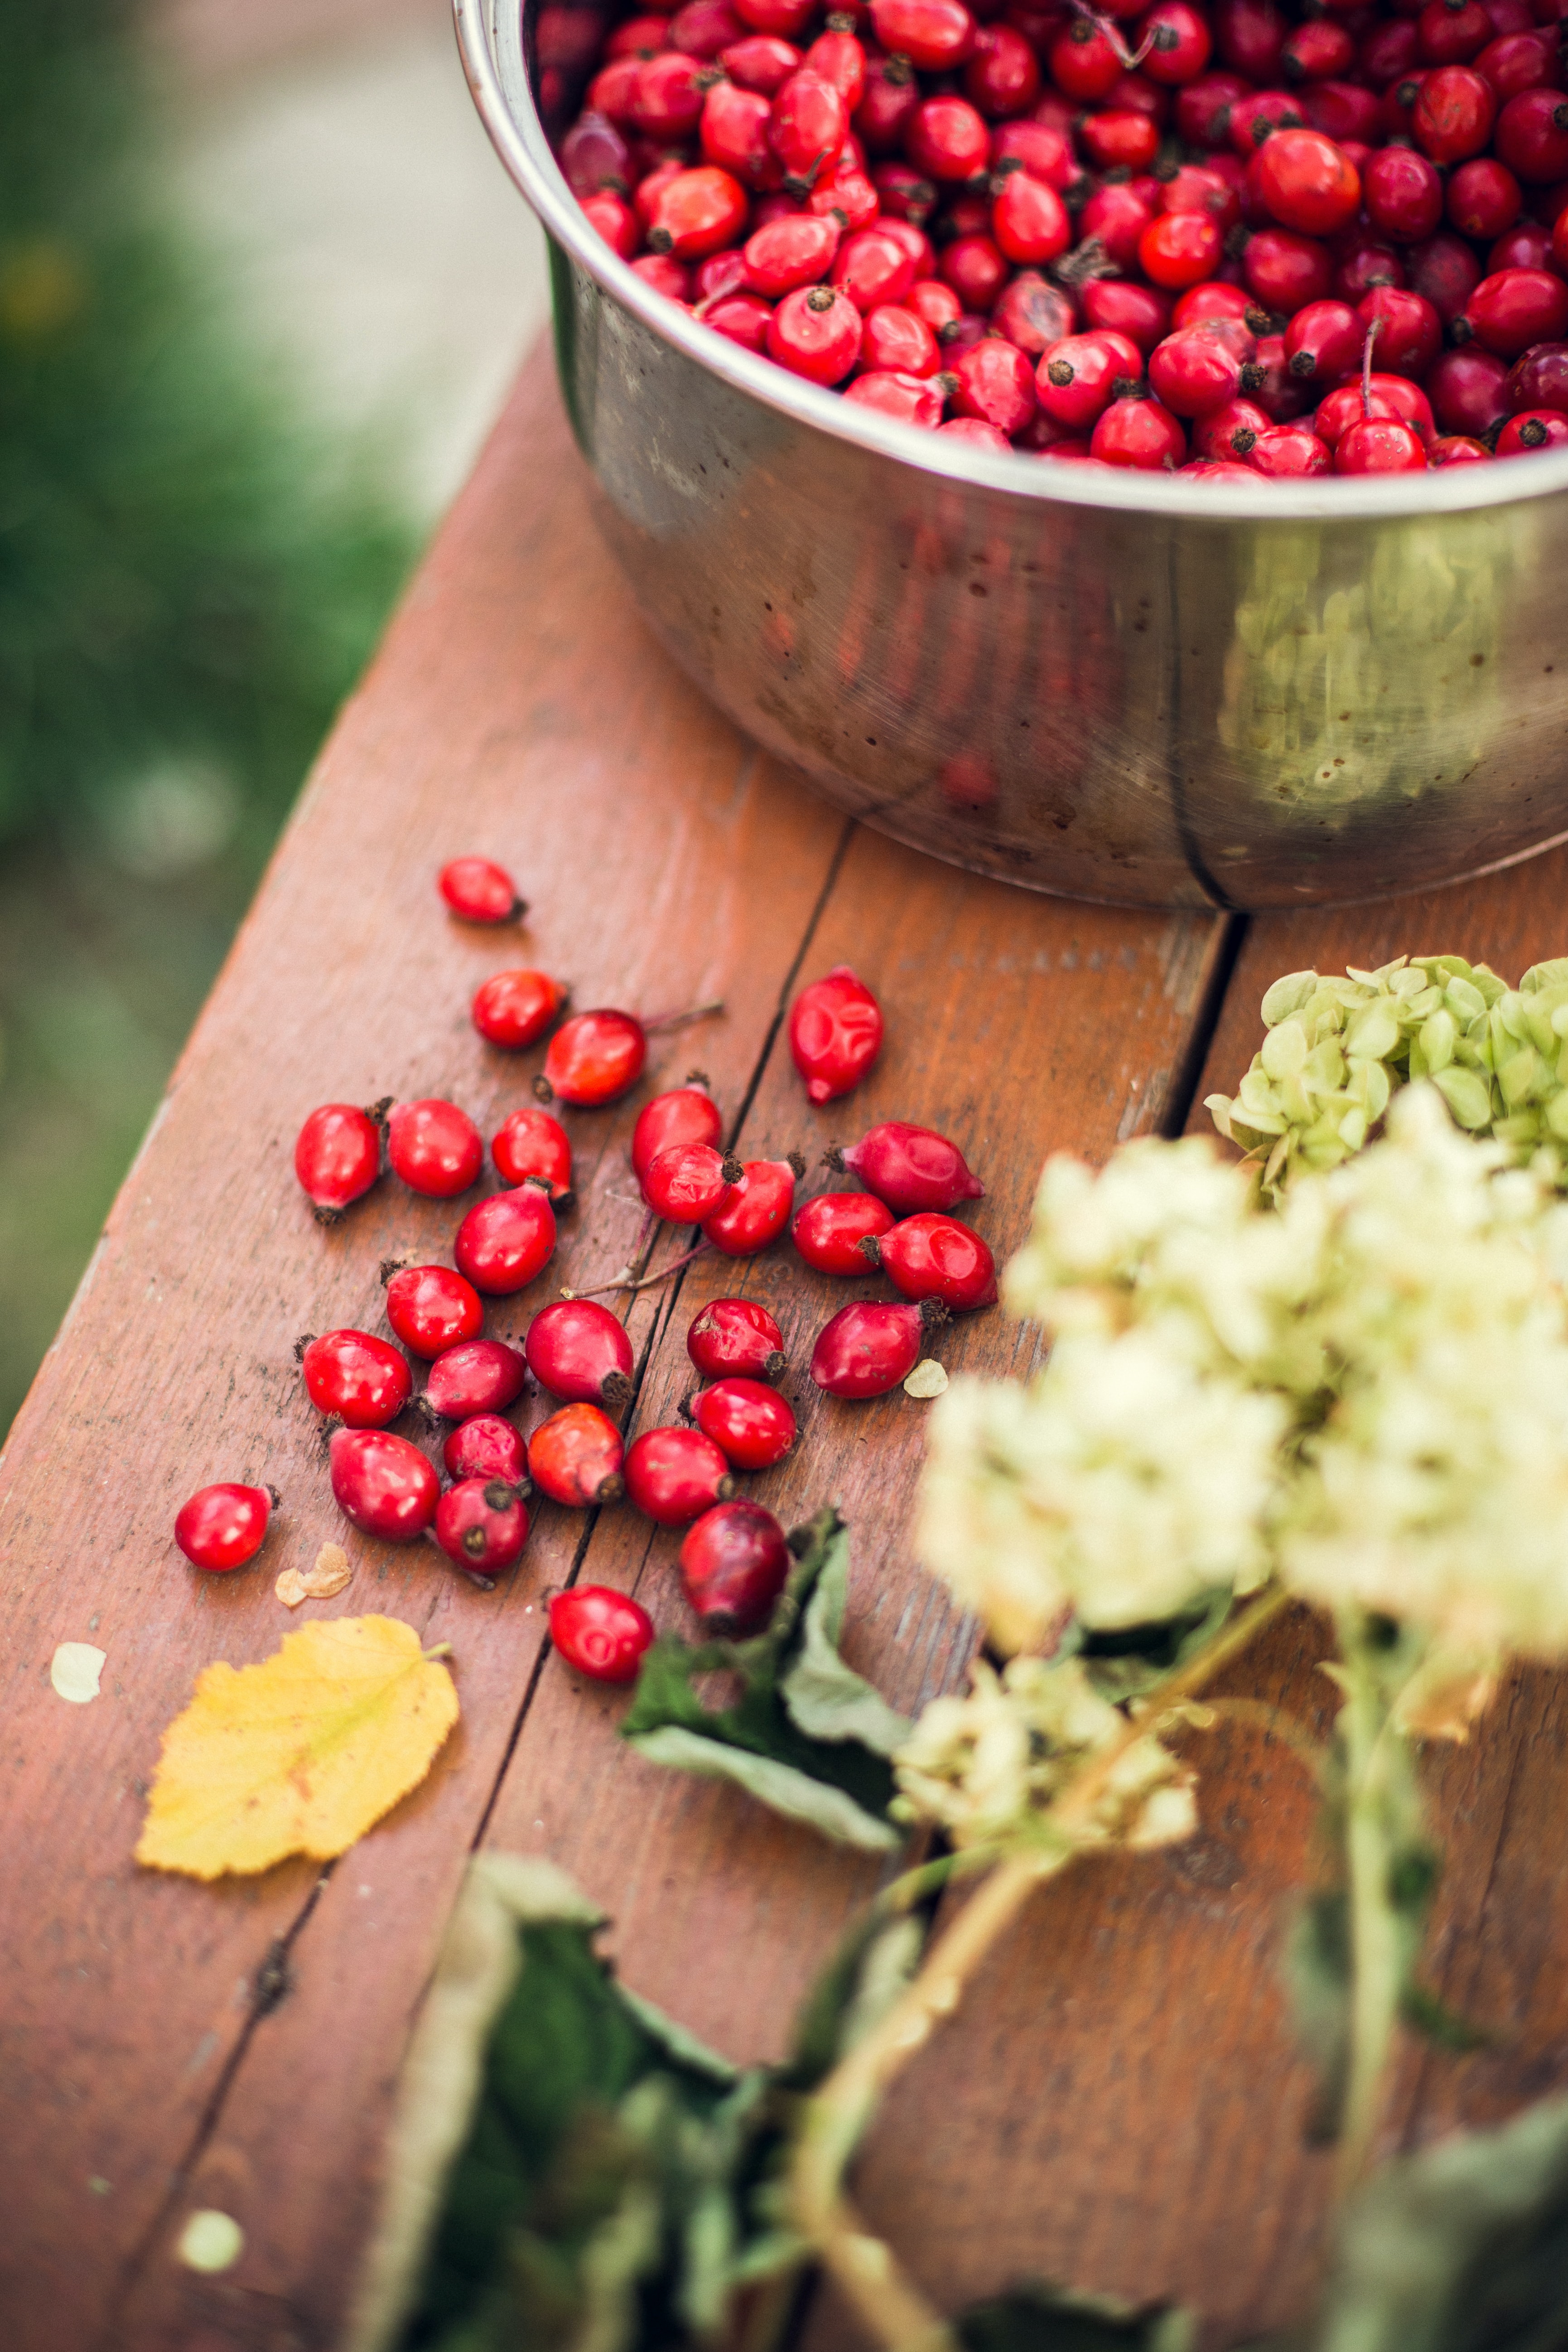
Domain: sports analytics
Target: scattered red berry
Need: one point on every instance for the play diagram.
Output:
(382, 1483)
(757, 1208)
(594, 1057)
(337, 1156)
(687, 1114)
(575, 1457)
(936, 1257)
(689, 1182)
(734, 1563)
(486, 1447)
(579, 1351)
(910, 1167)
(600, 1633)
(431, 1307)
(871, 1346)
(735, 1336)
(529, 1142)
(434, 1148)
(753, 1424)
(222, 1527)
(481, 1525)
(480, 891)
(515, 1008)
(673, 1474)
(835, 1032)
(478, 1376)
(359, 1380)
(829, 1229)
(504, 1242)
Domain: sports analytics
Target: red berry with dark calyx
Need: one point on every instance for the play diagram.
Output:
(1178, 44)
(504, 1242)
(581, 1353)
(1258, 115)
(1083, 60)
(667, 97)
(434, 1148)
(481, 1525)
(756, 1209)
(1379, 444)
(1231, 431)
(1323, 343)
(431, 1307)
(734, 1563)
(1138, 433)
(480, 891)
(486, 1447)
(936, 1257)
(530, 1143)
(600, 1633)
(829, 1229)
(1319, 50)
(477, 1376)
(1537, 429)
(1516, 307)
(514, 1009)
(754, 1425)
(382, 1483)
(355, 1378)
(810, 125)
(792, 253)
(1468, 391)
(736, 1337)
(689, 1182)
(674, 1474)
(1409, 331)
(576, 1458)
(686, 1114)
(1267, 379)
(222, 1527)
(815, 333)
(1459, 449)
(1290, 453)
(911, 1168)
(869, 1347)
(1308, 183)
(592, 1058)
(1452, 115)
(1539, 379)
(337, 1157)
(1532, 136)
(1076, 380)
(1194, 373)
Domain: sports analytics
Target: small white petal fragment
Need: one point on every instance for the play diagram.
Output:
(74, 1671)
(929, 1378)
(210, 2242)
(328, 1575)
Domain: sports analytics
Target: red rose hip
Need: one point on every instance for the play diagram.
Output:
(835, 1033)
(481, 1525)
(480, 891)
(910, 1167)
(504, 1242)
(478, 1376)
(672, 1475)
(734, 1563)
(756, 1209)
(868, 1348)
(431, 1307)
(687, 1114)
(600, 1633)
(754, 1425)
(356, 1378)
(689, 1182)
(580, 1352)
(576, 1456)
(513, 1009)
(337, 1157)
(735, 1336)
(434, 1148)
(829, 1229)
(592, 1058)
(530, 1143)
(382, 1483)
(936, 1257)
(486, 1447)
(222, 1527)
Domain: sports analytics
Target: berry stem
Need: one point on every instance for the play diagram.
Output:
(1371, 335)
(627, 1281)
(683, 1020)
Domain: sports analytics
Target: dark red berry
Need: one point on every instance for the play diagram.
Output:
(504, 1242)
(382, 1483)
(1392, 397)
(789, 254)
(222, 1527)
(515, 1008)
(835, 1033)
(529, 1142)
(910, 1167)
(1468, 391)
(1285, 269)
(580, 1352)
(434, 1148)
(486, 1447)
(735, 1336)
(674, 1473)
(1483, 198)
(600, 1633)
(480, 891)
(1323, 343)
(687, 1114)
(870, 1347)
(1404, 193)
(575, 1457)
(1539, 379)
(1516, 307)
(361, 1381)
(936, 1257)
(1179, 43)
(337, 1156)
(829, 1229)
(481, 1524)
(1537, 428)
(1459, 449)
(592, 1058)
(689, 1182)
(1409, 331)
(478, 1376)
(734, 1563)
(751, 1422)
(431, 1307)
(756, 1209)
(1452, 115)
(1532, 135)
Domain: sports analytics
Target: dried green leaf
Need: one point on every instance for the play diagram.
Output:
(1050, 2319)
(828, 1699)
(784, 1788)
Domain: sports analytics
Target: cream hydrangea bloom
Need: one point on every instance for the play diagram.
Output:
(988, 1765)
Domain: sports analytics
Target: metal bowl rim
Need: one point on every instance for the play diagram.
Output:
(525, 152)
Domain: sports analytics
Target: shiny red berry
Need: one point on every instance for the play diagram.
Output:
(222, 1527)
(1532, 135)
(477, 1376)
(1392, 397)
(871, 1346)
(734, 1563)
(481, 1525)
(1084, 62)
(762, 62)
(486, 1447)
(910, 1167)
(815, 333)
(431, 1307)
(382, 1483)
(1539, 379)
(735, 1336)
(871, 267)
(505, 1241)
(673, 1474)
(935, 34)
(480, 891)
(1452, 118)
(1077, 378)
(1286, 270)
(1379, 444)
(829, 1229)
(515, 1008)
(1180, 249)
(1516, 307)
(1403, 192)
(809, 124)
(1537, 428)
(749, 1421)
(1179, 43)
(580, 1352)
(1289, 453)
(434, 1148)
(689, 1182)
(687, 1114)
(896, 341)
(360, 1380)
(1002, 76)
(667, 97)
(1192, 373)
(936, 1257)
(1257, 115)
(575, 1457)
(734, 136)
(1469, 390)
(1459, 449)
(600, 1633)
(1483, 198)
(1308, 183)
(756, 1209)
(337, 1156)
(592, 1058)
(529, 1142)
(835, 1033)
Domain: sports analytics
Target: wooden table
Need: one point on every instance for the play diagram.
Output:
(1120, 2104)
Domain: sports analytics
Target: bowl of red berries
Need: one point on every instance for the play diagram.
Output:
(1123, 449)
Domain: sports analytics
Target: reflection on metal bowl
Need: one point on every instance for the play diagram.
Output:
(1121, 687)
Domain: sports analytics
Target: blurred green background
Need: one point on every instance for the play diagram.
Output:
(200, 529)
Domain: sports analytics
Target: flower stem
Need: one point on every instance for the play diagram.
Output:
(1375, 1955)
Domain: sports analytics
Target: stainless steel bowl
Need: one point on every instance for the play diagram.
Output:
(1119, 687)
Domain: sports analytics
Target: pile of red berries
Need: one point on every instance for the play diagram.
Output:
(576, 1352)
(1241, 238)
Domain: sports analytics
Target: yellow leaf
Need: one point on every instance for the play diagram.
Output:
(301, 1754)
